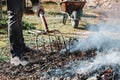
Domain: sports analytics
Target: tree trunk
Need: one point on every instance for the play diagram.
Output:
(0, 9)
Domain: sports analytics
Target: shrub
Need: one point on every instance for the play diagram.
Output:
(3, 23)
(26, 25)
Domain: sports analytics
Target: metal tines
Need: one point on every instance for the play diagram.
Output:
(47, 42)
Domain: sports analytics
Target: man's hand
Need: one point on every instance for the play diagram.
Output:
(37, 8)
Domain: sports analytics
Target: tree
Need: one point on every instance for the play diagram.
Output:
(0, 9)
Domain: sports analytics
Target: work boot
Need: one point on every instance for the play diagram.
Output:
(27, 49)
(18, 60)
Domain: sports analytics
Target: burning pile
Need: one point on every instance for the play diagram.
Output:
(95, 58)
(104, 65)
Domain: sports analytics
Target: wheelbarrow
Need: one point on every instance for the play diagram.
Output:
(73, 9)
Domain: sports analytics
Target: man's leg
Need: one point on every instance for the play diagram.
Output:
(34, 1)
(15, 13)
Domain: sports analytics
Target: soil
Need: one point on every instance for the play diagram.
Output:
(40, 63)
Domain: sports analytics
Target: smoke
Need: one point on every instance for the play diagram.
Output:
(106, 58)
(106, 40)
(106, 27)
(104, 37)
(99, 41)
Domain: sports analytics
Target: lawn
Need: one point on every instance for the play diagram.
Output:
(54, 19)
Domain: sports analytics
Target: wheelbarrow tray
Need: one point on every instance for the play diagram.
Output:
(67, 6)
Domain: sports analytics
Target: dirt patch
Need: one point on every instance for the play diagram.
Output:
(40, 63)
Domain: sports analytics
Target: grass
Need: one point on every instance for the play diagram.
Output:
(54, 20)
(3, 56)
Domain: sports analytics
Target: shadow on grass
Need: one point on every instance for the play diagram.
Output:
(4, 12)
(89, 16)
(55, 13)
(81, 28)
(3, 29)
(28, 10)
(49, 2)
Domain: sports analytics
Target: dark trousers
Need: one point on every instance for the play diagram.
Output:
(15, 13)
(34, 1)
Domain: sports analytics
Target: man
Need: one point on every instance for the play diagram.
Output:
(17, 45)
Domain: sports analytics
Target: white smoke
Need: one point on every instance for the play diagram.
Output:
(107, 58)
(97, 40)
(105, 36)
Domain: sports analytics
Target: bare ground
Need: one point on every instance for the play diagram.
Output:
(42, 63)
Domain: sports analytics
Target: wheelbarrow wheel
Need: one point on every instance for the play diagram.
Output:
(75, 19)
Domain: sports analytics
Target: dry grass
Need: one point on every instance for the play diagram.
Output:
(54, 20)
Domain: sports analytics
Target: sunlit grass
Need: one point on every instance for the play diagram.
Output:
(54, 19)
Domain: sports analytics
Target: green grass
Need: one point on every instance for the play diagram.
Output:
(54, 20)
(3, 23)
(3, 57)
(4, 53)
